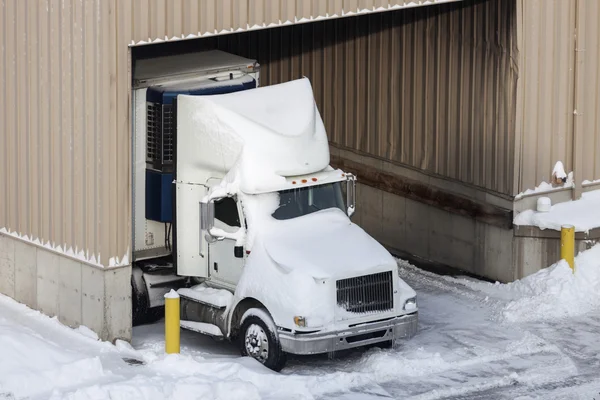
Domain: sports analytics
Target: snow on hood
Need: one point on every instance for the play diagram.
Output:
(324, 244)
(289, 257)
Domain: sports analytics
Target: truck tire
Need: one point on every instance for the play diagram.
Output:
(141, 313)
(260, 342)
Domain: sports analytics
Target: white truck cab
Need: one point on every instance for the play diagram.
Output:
(259, 242)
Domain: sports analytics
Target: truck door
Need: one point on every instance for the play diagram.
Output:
(225, 268)
(192, 163)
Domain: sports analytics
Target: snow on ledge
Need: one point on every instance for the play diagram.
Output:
(583, 214)
(546, 187)
(590, 183)
(83, 256)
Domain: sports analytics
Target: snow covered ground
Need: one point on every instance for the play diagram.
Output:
(532, 339)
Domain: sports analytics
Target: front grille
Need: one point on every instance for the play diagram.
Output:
(368, 293)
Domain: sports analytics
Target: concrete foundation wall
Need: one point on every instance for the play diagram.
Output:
(75, 292)
(429, 232)
(535, 247)
(437, 235)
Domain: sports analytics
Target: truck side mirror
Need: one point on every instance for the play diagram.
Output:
(238, 251)
(207, 215)
(351, 194)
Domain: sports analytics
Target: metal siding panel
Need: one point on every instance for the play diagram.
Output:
(547, 90)
(223, 15)
(66, 131)
(108, 131)
(11, 123)
(303, 9)
(103, 154)
(55, 157)
(174, 15)
(141, 19)
(91, 84)
(591, 107)
(240, 14)
(288, 11)
(190, 18)
(33, 145)
(3, 111)
(123, 211)
(158, 16)
(21, 101)
(207, 16)
(350, 6)
(66, 162)
(44, 123)
(78, 128)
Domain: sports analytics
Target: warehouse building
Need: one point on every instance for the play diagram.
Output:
(447, 111)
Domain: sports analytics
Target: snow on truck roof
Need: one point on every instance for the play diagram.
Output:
(263, 134)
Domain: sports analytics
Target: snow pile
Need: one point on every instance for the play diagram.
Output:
(557, 292)
(584, 214)
(558, 173)
(551, 293)
(31, 365)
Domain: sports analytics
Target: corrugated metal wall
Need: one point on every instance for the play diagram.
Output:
(65, 134)
(558, 90)
(64, 167)
(168, 19)
(433, 88)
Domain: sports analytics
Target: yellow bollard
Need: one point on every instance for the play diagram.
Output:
(567, 245)
(172, 329)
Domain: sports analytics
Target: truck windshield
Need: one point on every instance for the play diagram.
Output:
(302, 201)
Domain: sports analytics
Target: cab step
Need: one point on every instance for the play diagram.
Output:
(203, 294)
(203, 328)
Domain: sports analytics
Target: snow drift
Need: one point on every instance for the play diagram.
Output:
(551, 293)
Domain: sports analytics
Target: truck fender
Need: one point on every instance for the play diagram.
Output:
(238, 310)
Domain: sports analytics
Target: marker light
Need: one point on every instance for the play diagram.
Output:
(300, 321)
(304, 181)
(314, 179)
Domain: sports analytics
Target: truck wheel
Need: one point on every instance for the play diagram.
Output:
(261, 343)
(141, 313)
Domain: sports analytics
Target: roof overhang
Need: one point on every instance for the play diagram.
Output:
(391, 6)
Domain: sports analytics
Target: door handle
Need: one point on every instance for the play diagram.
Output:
(216, 267)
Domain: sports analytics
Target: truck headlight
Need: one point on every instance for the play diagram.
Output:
(410, 304)
(300, 321)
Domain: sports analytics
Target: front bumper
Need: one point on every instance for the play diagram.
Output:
(402, 327)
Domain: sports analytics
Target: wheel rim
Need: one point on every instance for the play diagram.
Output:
(257, 343)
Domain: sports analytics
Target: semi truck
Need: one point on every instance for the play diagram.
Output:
(237, 208)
